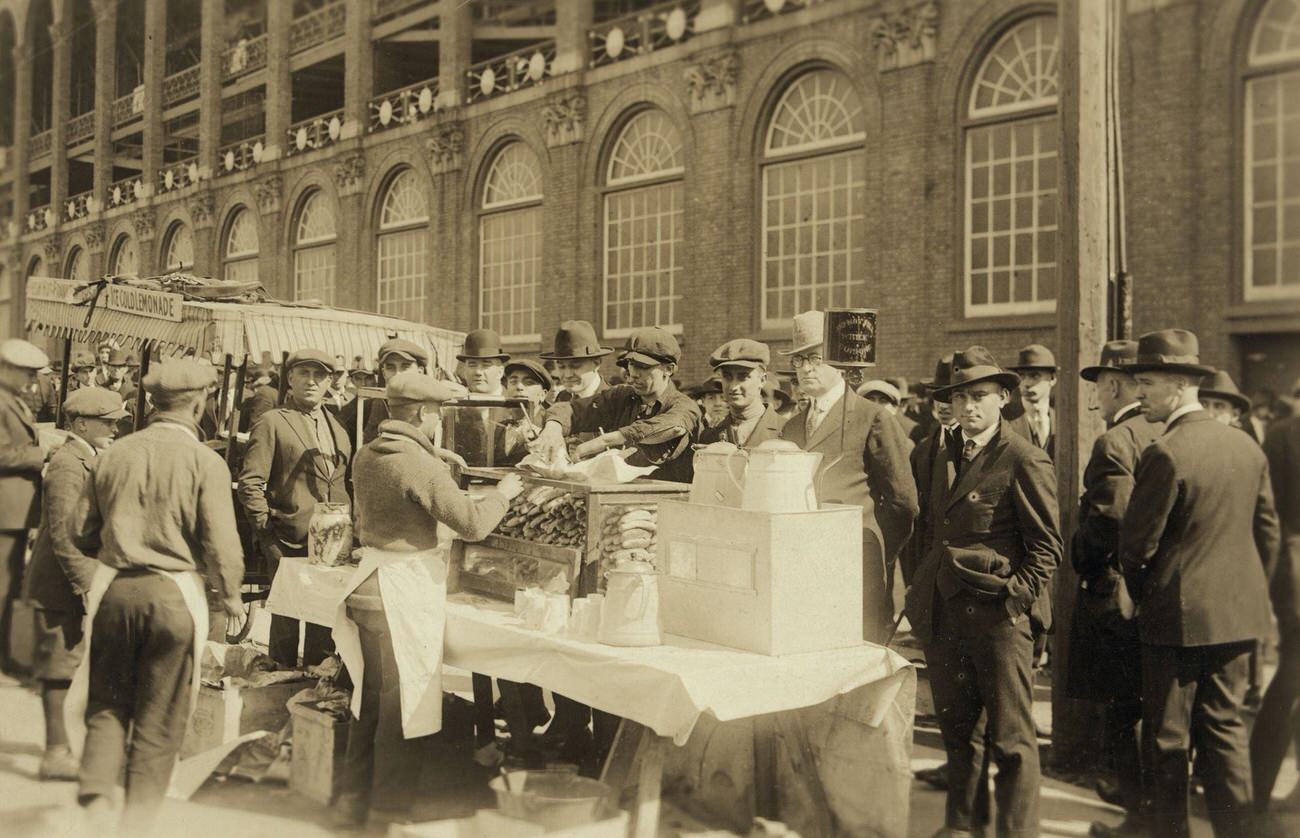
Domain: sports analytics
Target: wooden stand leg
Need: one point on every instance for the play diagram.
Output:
(650, 772)
(765, 802)
(483, 716)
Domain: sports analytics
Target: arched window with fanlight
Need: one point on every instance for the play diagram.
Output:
(77, 265)
(814, 198)
(178, 248)
(123, 260)
(644, 225)
(403, 247)
(314, 249)
(1272, 154)
(510, 243)
(240, 247)
(1010, 136)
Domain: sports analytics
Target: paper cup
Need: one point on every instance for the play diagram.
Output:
(556, 614)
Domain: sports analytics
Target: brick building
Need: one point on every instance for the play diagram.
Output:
(710, 165)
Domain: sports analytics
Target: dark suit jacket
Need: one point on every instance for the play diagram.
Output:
(870, 469)
(768, 427)
(376, 412)
(995, 534)
(1282, 447)
(1200, 535)
(921, 459)
(1018, 421)
(21, 460)
(60, 573)
(285, 475)
(261, 402)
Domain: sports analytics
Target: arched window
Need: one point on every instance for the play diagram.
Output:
(122, 258)
(644, 226)
(240, 250)
(403, 248)
(77, 267)
(314, 249)
(510, 243)
(1272, 146)
(178, 248)
(814, 195)
(1010, 136)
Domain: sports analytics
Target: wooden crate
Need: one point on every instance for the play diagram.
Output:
(320, 742)
(223, 715)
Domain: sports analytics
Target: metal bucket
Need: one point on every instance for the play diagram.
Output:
(552, 798)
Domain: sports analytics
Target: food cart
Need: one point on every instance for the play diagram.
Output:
(235, 327)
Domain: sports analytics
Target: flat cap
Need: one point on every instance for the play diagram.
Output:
(650, 346)
(741, 352)
(533, 368)
(412, 386)
(82, 361)
(310, 356)
(879, 385)
(405, 348)
(19, 353)
(95, 402)
(179, 375)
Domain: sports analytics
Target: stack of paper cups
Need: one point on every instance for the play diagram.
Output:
(534, 612)
(595, 602)
(578, 617)
(556, 614)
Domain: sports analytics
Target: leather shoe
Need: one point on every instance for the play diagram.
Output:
(59, 764)
(1109, 792)
(936, 777)
(1130, 827)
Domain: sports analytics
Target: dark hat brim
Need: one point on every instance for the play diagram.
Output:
(719, 363)
(1034, 368)
(1174, 368)
(645, 359)
(302, 362)
(1006, 378)
(551, 356)
(1094, 373)
(1242, 403)
(499, 356)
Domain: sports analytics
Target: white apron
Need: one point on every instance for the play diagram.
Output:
(74, 707)
(413, 587)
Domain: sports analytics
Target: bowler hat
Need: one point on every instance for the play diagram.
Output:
(310, 356)
(806, 332)
(1169, 350)
(879, 385)
(1221, 386)
(533, 368)
(942, 373)
(412, 386)
(1035, 356)
(19, 353)
(179, 375)
(576, 341)
(650, 346)
(404, 348)
(483, 344)
(741, 352)
(972, 366)
(95, 402)
(1114, 356)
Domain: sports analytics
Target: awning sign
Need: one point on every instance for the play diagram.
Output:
(51, 290)
(143, 302)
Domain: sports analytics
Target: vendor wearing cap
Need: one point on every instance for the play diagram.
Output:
(404, 490)
(297, 456)
(989, 546)
(741, 368)
(82, 371)
(157, 512)
(1222, 400)
(1035, 419)
(527, 379)
(60, 574)
(396, 356)
(864, 463)
(576, 355)
(648, 412)
(21, 460)
(887, 395)
(481, 365)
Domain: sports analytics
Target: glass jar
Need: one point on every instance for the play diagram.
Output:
(329, 535)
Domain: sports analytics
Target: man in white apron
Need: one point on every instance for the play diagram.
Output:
(389, 626)
(157, 511)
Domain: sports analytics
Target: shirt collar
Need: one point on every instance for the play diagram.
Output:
(1181, 412)
(85, 446)
(1124, 412)
(983, 438)
(589, 388)
(162, 421)
(827, 400)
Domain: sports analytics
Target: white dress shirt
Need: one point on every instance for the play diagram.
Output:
(820, 406)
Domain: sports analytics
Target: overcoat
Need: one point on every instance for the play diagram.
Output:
(1282, 447)
(60, 573)
(21, 460)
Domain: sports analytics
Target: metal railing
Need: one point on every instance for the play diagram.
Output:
(81, 128)
(126, 191)
(504, 74)
(642, 32)
(126, 108)
(39, 218)
(402, 107)
(752, 10)
(181, 86)
(178, 175)
(317, 132)
(79, 206)
(242, 57)
(39, 145)
(324, 24)
(240, 156)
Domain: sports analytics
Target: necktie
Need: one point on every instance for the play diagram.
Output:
(814, 417)
(968, 451)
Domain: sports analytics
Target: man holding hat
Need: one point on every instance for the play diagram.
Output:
(60, 574)
(1035, 419)
(864, 463)
(396, 356)
(1225, 403)
(1196, 543)
(1106, 666)
(297, 456)
(404, 491)
(988, 547)
(157, 512)
(648, 412)
(21, 459)
(482, 363)
(576, 355)
(741, 366)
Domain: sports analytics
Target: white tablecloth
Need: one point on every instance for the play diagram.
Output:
(666, 688)
(307, 591)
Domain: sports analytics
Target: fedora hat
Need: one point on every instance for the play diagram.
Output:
(1115, 355)
(1221, 386)
(806, 332)
(972, 366)
(942, 373)
(483, 344)
(1169, 350)
(1035, 356)
(576, 341)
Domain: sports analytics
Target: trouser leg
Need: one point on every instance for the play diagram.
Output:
(111, 696)
(1277, 716)
(54, 695)
(164, 668)
(958, 707)
(877, 607)
(1002, 655)
(397, 760)
(282, 645)
(1168, 694)
(12, 546)
(317, 644)
(1221, 737)
(1122, 722)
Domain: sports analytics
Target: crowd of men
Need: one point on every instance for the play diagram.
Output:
(1179, 554)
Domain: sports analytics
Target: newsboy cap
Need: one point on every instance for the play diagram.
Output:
(179, 375)
(533, 368)
(650, 346)
(96, 403)
(883, 387)
(405, 348)
(310, 356)
(19, 353)
(411, 387)
(741, 352)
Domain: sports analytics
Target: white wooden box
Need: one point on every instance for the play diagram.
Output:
(772, 583)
